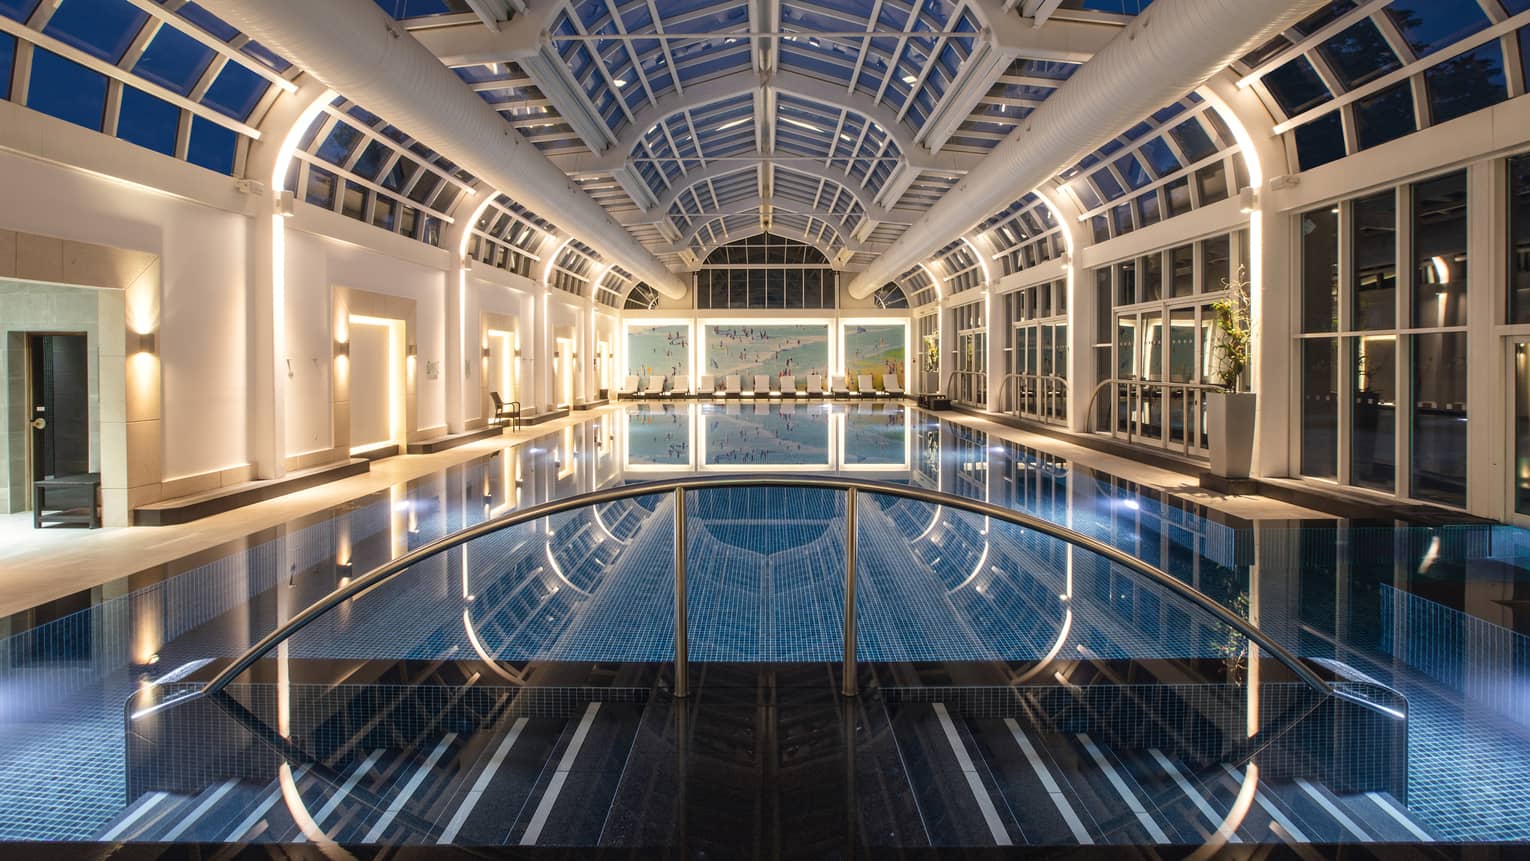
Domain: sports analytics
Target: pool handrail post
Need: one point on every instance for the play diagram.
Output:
(682, 632)
(847, 673)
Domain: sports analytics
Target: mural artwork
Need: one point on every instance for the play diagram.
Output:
(661, 350)
(772, 350)
(877, 350)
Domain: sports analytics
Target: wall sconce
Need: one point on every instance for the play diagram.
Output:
(286, 204)
(1248, 201)
(342, 348)
(486, 352)
(411, 351)
(517, 352)
(147, 342)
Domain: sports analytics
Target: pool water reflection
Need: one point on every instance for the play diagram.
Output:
(1436, 612)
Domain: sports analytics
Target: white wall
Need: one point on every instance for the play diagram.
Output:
(317, 264)
(202, 330)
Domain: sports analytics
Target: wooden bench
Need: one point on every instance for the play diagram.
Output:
(80, 495)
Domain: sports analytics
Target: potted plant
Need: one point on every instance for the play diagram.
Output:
(1230, 412)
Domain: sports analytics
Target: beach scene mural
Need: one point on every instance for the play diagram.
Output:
(770, 435)
(658, 435)
(773, 350)
(875, 349)
(662, 350)
(876, 435)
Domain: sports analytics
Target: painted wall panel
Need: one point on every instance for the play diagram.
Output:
(748, 349)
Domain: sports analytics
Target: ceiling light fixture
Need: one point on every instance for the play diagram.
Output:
(910, 79)
(738, 122)
(802, 125)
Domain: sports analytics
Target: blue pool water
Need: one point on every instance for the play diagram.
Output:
(1417, 608)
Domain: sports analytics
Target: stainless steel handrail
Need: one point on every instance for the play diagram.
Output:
(1053, 381)
(950, 391)
(680, 486)
(1149, 384)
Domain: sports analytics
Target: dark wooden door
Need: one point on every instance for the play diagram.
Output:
(60, 405)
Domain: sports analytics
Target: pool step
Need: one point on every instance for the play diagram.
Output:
(996, 781)
(538, 780)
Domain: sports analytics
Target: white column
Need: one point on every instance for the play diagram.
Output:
(1489, 381)
(1271, 273)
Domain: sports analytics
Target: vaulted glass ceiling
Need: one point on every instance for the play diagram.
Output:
(696, 123)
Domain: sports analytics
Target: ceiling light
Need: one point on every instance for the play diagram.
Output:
(737, 122)
(620, 82)
(910, 79)
(802, 125)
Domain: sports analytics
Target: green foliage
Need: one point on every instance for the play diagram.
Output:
(1233, 328)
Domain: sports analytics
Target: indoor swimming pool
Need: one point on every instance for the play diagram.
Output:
(550, 644)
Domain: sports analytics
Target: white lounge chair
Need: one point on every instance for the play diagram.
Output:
(894, 387)
(681, 389)
(867, 387)
(731, 385)
(706, 386)
(629, 387)
(789, 387)
(762, 387)
(840, 389)
(814, 386)
(655, 387)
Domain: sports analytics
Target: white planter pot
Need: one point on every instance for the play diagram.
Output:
(1230, 429)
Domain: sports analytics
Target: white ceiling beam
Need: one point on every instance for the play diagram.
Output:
(1039, 10)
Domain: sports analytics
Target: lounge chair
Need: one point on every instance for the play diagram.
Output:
(762, 386)
(867, 387)
(789, 387)
(629, 387)
(814, 386)
(655, 387)
(840, 389)
(706, 387)
(894, 387)
(681, 389)
(731, 385)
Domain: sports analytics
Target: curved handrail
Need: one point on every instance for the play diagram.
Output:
(1053, 382)
(1019, 518)
(1158, 384)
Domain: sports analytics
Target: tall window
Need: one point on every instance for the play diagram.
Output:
(1036, 352)
(1155, 339)
(766, 271)
(1384, 326)
(969, 382)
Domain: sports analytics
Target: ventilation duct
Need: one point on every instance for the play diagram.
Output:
(1170, 49)
(357, 50)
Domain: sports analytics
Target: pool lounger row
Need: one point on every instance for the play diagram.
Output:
(786, 387)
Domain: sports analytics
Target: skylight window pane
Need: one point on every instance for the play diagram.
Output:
(174, 60)
(19, 10)
(338, 146)
(1131, 170)
(266, 56)
(1193, 140)
(1296, 86)
(150, 122)
(212, 146)
(65, 89)
(1320, 141)
(208, 21)
(1386, 116)
(1430, 25)
(1160, 157)
(1359, 54)
(236, 91)
(1321, 18)
(1466, 83)
(7, 61)
(104, 28)
(372, 160)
